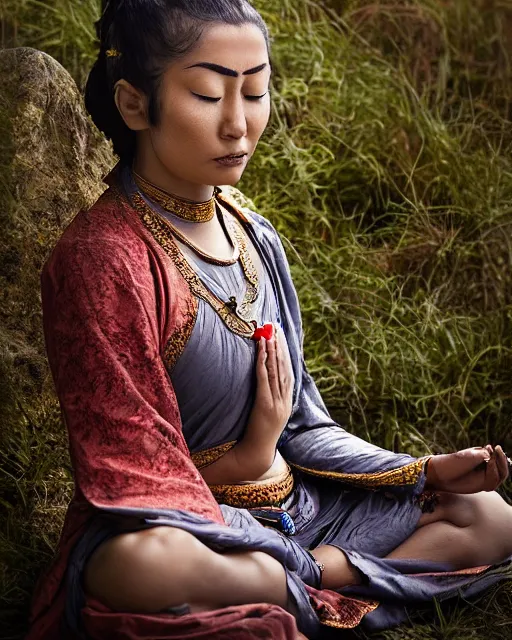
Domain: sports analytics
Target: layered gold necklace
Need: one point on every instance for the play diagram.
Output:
(204, 212)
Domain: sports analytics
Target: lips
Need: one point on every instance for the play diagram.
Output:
(232, 156)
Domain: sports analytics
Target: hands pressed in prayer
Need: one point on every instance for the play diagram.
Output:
(255, 456)
(273, 402)
(468, 471)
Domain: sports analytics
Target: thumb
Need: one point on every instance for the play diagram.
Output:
(478, 454)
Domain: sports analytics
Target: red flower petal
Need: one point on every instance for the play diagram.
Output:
(266, 331)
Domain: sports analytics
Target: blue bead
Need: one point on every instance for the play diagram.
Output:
(287, 524)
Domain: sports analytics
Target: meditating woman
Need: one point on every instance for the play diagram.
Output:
(213, 490)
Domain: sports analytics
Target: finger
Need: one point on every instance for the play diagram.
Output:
(502, 464)
(261, 368)
(286, 377)
(286, 359)
(272, 371)
(281, 362)
(479, 457)
(279, 359)
(261, 357)
(492, 476)
(454, 465)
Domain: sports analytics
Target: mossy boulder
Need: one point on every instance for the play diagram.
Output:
(52, 160)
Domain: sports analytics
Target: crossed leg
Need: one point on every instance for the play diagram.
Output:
(464, 530)
(163, 567)
(153, 570)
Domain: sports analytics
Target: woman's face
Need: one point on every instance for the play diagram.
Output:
(212, 103)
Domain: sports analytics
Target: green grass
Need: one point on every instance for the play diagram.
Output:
(62, 28)
(388, 167)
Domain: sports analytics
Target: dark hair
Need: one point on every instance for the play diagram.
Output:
(149, 34)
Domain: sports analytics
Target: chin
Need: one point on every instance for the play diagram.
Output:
(229, 180)
(232, 183)
(237, 176)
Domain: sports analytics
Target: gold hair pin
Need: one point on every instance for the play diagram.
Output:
(112, 53)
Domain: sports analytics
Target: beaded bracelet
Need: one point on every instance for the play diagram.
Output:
(319, 564)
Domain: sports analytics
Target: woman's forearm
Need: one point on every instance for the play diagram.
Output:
(254, 455)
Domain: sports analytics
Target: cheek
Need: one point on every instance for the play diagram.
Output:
(184, 122)
(259, 121)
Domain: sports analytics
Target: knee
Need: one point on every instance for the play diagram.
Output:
(144, 571)
(474, 510)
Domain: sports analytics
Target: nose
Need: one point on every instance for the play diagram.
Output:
(234, 121)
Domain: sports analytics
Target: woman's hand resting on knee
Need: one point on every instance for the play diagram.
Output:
(468, 471)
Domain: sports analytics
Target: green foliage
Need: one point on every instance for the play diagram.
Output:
(387, 166)
(397, 220)
(62, 28)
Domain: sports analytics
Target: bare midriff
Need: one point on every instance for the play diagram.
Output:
(278, 471)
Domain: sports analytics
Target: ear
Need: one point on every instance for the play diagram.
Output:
(132, 105)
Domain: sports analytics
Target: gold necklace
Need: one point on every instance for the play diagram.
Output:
(236, 236)
(160, 230)
(223, 262)
(180, 207)
(244, 310)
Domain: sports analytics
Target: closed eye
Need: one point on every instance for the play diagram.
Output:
(210, 99)
(256, 97)
(207, 98)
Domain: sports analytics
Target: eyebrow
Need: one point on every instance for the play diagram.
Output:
(227, 72)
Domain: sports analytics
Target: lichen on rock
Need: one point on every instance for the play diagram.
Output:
(52, 160)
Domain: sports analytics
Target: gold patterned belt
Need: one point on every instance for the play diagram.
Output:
(249, 496)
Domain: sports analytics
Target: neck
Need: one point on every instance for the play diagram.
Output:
(152, 170)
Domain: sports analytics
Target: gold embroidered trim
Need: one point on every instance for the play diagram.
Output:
(471, 571)
(157, 227)
(178, 341)
(249, 269)
(208, 456)
(407, 475)
(248, 496)
(223, 262)
(351, 617)
(229, 200)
